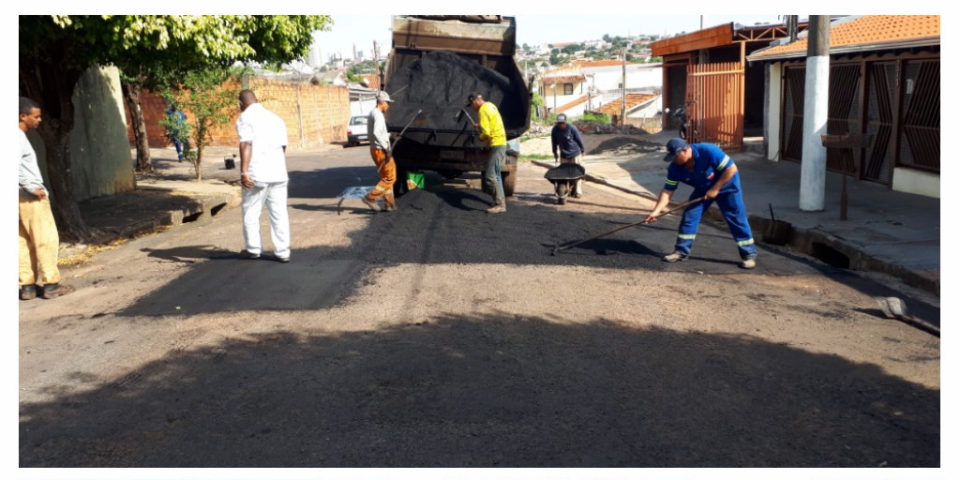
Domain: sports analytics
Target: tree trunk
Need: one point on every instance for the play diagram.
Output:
(66, 212)
(198, 163)
(131, 94)
(52, 86)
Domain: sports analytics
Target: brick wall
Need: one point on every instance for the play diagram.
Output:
(314, 115)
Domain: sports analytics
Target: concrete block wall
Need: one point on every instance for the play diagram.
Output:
(314, 115)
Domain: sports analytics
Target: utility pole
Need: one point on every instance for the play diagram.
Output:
(813, 166)
(376, 63)
(623, 90)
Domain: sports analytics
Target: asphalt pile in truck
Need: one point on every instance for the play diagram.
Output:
(439, 82)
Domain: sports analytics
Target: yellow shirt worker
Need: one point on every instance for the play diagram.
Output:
(492, 132)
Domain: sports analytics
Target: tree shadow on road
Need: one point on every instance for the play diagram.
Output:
(486, 391)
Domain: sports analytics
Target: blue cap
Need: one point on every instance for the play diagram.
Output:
(674, 146)
(562, 118)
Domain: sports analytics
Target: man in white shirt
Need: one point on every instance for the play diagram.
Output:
(263, 175)
(382, 156)
(39, 239)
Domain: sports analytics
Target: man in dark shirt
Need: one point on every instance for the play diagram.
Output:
(566, 137)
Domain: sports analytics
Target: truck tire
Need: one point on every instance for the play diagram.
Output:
(509, 175)
(400, 185)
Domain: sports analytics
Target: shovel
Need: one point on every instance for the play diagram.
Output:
(604, 234)
(400, 135)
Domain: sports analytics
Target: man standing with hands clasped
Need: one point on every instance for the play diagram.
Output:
(492, 132)
(263, 170)
(39, 239)
(382, 156)
(713, 176)
(566, 137)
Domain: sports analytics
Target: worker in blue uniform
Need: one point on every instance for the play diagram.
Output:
(714, 176)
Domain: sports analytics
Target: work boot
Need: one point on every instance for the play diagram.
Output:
(28, 292)
(499, 208)
(371, 203)
(248, 255)
(674, 257)
(748, 263)
(54, 290)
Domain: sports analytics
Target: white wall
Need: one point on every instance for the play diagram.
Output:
(771, 106)
(648, 111)
(560, 101)
(609, 78)
(916, 181)
(362, 107)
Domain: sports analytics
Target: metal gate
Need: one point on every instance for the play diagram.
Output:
(793, 92)
(843, 116)
(715, 97)
(920, 142)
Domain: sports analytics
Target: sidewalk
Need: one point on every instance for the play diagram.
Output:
(886, 231)
(167, 197)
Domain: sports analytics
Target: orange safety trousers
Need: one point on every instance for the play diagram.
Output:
(387, 169)
(39, 243)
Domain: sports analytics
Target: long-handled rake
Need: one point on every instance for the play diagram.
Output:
(559, 248)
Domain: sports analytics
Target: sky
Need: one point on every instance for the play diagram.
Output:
(532, 28)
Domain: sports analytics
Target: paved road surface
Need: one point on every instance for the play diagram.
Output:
(440, 335)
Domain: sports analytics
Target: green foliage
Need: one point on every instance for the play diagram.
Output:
(351, 77)
(596, 117)
(536, 101)
(571, 49)
(159, 48)
(212, 102)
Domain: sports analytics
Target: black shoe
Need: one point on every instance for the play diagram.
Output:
(55, 290)
(28, 292)
(283, 259)
(249, 255)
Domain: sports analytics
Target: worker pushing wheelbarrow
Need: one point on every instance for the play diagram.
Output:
(567, 147)
(564, 179)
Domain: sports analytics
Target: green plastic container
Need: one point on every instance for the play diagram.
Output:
(414, 180)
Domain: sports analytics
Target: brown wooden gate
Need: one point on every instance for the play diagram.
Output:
(715, 97)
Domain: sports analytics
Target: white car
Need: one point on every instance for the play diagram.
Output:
(357, 130)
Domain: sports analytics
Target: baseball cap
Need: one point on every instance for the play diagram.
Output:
(473, 96)
(673, 147)
(562, 118)
(383, 97)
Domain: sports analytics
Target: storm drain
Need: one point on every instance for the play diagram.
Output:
(192, 217)
(216, 209)
(829, 255)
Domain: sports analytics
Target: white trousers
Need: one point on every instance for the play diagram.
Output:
(275, 197)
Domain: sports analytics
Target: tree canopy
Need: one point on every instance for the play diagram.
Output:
(56, 49)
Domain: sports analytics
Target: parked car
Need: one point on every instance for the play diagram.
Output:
(357, 130)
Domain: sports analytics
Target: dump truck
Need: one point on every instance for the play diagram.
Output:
(435, 62)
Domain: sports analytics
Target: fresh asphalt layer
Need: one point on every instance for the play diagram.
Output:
(440, 335)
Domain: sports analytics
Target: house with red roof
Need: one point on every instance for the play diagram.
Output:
(884, 90)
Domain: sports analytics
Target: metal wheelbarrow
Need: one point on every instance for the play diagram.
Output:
(564, 177)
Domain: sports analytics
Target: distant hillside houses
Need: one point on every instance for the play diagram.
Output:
(590, 85)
